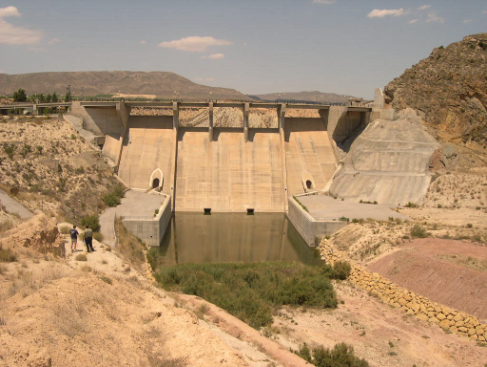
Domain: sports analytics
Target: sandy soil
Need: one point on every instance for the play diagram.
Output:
(421, 266)
(97, 312)
(381, 335)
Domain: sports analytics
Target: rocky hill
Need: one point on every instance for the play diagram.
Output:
(314, 96)
(450, 88)
(160, 84)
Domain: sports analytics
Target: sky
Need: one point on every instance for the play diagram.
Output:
(255, 46)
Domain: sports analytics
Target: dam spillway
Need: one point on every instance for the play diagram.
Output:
(225, 169)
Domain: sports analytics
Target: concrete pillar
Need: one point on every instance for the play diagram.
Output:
(123, 113)
(174, 157)
(210, 122)
(175, 115)
(34, 108)
(246, 112)
(281, 111)
(379, 98)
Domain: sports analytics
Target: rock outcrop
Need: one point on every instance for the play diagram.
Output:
(450, 89)
(39, 233)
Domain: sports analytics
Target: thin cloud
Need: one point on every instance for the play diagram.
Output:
(413, 21)
(378, 13)
(215, 56)
(468, 21)
(327, 2)
(434, 18)
(424, 7)
(13, 35)
(143, 42)
(53, 41)
(484, 12)
(194, 43)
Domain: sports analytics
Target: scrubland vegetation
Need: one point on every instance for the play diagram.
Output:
(252, 291)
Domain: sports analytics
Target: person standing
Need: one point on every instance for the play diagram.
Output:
(89, 239)
(73, 232)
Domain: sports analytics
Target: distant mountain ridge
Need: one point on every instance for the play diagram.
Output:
(313, 96)
(158, 83)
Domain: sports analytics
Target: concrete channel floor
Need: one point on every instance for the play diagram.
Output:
(134, 204)
(323, 207)
(13, 206)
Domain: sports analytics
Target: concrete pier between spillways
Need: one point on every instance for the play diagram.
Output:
(224, 169)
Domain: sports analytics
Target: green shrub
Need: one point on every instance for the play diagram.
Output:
(81, 257)
(14, 190)
(9, 149)
(112, 198)
(64, 230)
(305, 353)
(106, 279)
(251, 291)
(342, 355)
(341, 270)
(411, 205)
(7, 255)
(98, 236)
(418, 231)
(92, 221)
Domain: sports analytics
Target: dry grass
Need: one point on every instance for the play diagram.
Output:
(68, 322)
(7, 255)
(81, 257)
(131, 248)
(466, 261)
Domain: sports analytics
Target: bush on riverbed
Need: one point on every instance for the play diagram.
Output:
(342, 355)
(251, 291)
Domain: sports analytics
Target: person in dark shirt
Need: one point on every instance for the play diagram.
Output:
(89, 239)
(74, 238)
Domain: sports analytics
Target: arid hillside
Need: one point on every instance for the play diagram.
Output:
(314, 96)
(161, 84)
(450, 89)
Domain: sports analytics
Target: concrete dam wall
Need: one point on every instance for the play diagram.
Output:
(225, 169)
(229, 174)
(147, 152)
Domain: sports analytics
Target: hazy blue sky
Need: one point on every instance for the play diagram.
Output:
(254, 46)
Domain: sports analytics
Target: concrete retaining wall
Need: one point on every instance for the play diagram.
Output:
(310, 229)
(151, 230)
(413, 304)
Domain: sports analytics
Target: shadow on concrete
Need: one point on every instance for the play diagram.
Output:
(302, 124)
(348, 128)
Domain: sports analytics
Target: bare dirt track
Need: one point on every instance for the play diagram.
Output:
(439, 269)
(381, 335)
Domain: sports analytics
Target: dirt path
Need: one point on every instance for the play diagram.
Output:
(383, 336)
(13, 206)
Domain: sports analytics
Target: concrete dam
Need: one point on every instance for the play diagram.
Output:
(242, 157)
(222, 169)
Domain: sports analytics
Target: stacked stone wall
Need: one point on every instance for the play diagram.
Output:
(411, 303)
